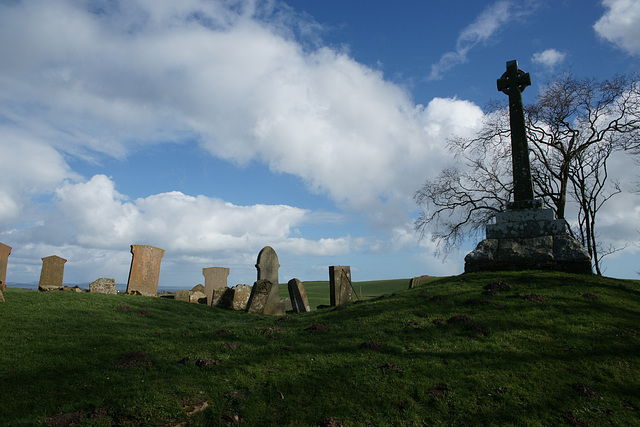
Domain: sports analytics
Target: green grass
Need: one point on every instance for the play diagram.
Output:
(555, 357)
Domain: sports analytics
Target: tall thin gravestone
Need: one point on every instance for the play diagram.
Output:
(145, 270)
(52, 273)
(340, 288)
(524, 235)
(5, 251)
(267, 266)
(215, 283)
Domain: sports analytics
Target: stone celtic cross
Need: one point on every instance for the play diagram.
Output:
(513, 82)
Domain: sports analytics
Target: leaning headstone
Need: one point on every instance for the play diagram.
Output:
(340, 289)
(298, 295)
(103, 286)
(215, 278)
(525, 236)
(145, 270)
(263, 300)
(52, 273)
(5, 251)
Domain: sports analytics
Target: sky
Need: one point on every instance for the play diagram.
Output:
(212, 129)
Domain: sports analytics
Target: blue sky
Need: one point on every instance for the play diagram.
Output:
(213, 128)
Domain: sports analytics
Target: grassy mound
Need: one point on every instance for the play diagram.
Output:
(478, 349)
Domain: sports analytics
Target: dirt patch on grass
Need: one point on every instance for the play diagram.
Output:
(232, 345)
(438, 321)
(134, 359)
(271, 331)
(123, 308)
(386, 367)
(75, 418)
(143, 313)
(586, 391)
(371, 345)
(203, 362)
(317, 327)
(494, 288)
(223, 332)
(572, 420)
(459, 318)
(284, 319)
(439, 391)
(589, 296)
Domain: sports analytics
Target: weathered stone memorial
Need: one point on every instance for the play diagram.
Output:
(215, 282)
(145, 270)
(5, 251)
(240, 297)
(103, 286)
(298, 296)
(340, 288)
(52, 273)
(267, 266)
(524, 235)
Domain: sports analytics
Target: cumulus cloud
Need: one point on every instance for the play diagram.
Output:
(549, 58)
(620, 24)
(85, 81)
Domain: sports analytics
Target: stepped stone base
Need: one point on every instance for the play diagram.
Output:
(528, 239)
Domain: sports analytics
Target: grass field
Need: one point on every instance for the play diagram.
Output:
(533, 349)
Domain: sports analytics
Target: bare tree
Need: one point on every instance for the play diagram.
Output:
(573, 127)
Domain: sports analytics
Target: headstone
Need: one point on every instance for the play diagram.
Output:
(525, 236)
(267, 266)
(286, 302)
(5, 251)
(52, 273)
(298, 296)
(1, 297)
(182, 295)
(145, 270)
(340, 289)
(103, 286)
(240, 297)
(197, 297)
(215, 278)
(263, 300)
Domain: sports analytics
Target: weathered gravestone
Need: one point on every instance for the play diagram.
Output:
(182, 295)
(1, 297)
(52, 273)
(525, 236)
(240, 297)
(103, 286)
(5, 251)
(145, 270)
(298, 296)
(267, 266)
(263, 300)
(215, 283)
(340, 288)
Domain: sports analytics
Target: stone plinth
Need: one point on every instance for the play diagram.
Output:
(263, 300)
(103, 286)
(5, 251)
(298, 296)
(52, 273)
(145, 270)
(215, 278)
(528, 239)
(340, 289)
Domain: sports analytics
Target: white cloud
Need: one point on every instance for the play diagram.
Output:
(479, 31)
(621, 24)
(549, 58)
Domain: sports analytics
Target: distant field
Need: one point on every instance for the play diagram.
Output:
(318, 292)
